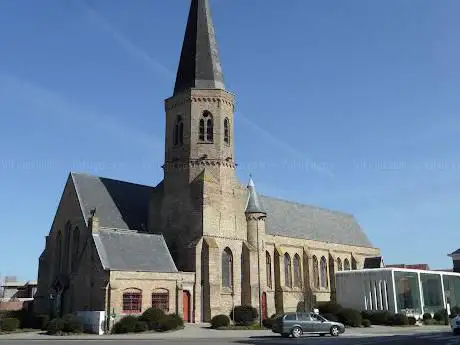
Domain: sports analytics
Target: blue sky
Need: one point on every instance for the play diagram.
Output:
(351, 105)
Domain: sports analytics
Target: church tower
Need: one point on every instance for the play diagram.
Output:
(200, 194)
(199, 115)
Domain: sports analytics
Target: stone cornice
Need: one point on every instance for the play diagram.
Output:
(171, 166)
(222, 99)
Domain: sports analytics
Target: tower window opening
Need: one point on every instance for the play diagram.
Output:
(206, 129)
(178, 136)
(227, 131)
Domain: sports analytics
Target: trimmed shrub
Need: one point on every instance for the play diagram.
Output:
(330, 317)
(398, 320)
(55, 326)
(441, 316)
(9, 324)
(72, 324)
(41, 322)
(152, 317)
(245, 315)
(222, 321)
(350, 317)
(366, 323)
(380, 317)
(329, 308)
(412, 320)
(125, 325)
(170, 322)
(427, 316)
(141, 326)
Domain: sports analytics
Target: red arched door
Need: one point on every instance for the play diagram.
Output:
(186, 305)
(264, 306)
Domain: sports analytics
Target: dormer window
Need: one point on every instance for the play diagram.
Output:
(206, 129)
(179, 131)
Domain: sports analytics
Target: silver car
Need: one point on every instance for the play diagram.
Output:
(296, 324)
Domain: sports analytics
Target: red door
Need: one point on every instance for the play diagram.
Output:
(264, 306)
(186, 305)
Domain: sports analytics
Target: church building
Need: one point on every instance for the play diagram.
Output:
(199, 242)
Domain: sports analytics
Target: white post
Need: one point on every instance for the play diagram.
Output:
(443, 292)
(422, 302)
(380, 295)
(395, 299)
(385, 295)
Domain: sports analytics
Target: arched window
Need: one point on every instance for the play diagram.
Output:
(76, 248)
(67, 248)
(346, 265)
(160, 300)
(297, 271)
(179, 131)
(201, 135)
(315, 272)
(206, 132)
(132, 301)
(339, 264)
(268, 269)
(59, 251)
(287, 270)
(227, 131)
(323, 269)
(227, 268)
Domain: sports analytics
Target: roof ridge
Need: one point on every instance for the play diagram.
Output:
(308, 205)
(110, 178)
(129, 231)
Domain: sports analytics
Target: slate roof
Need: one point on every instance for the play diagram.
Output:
(124, 205)
(455, 252)
(122, 250)
(199, 65)
(290, 219)
(118, 204)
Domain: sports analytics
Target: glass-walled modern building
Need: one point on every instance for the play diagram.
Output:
(398, 290)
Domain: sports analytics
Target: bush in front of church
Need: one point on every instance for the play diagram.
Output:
(55, 326)
(220, 321)
(170, 322)
(152, 317)
(244, 315)
(126, 325)
(9, 324)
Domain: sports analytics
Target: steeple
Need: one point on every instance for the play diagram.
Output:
(199, 65)
(254, 205)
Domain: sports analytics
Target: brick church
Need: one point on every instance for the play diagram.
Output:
(199, 241)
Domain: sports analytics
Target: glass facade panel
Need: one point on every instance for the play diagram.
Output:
(432, 292)
(452, 290)
(407, 292)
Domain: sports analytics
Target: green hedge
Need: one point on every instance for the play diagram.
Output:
(150, 320)
(9, 324)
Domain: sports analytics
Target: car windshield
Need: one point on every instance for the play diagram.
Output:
(318, 317)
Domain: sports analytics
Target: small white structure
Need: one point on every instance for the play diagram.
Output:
(398, 290)
(93, 321)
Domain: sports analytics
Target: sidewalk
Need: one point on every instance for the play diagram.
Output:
(193, 331)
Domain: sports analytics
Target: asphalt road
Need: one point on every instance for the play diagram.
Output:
(438, 338)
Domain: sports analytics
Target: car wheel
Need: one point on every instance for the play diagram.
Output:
(335, 331)
(296, 332)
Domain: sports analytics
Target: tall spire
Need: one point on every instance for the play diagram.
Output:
(254, 205)
(199, 65)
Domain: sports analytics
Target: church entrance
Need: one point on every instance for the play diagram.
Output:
(186, 305)
(264, 306)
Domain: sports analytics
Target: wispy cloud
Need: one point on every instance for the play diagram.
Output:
(58, 107)
(156, 66)
(96, 19)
